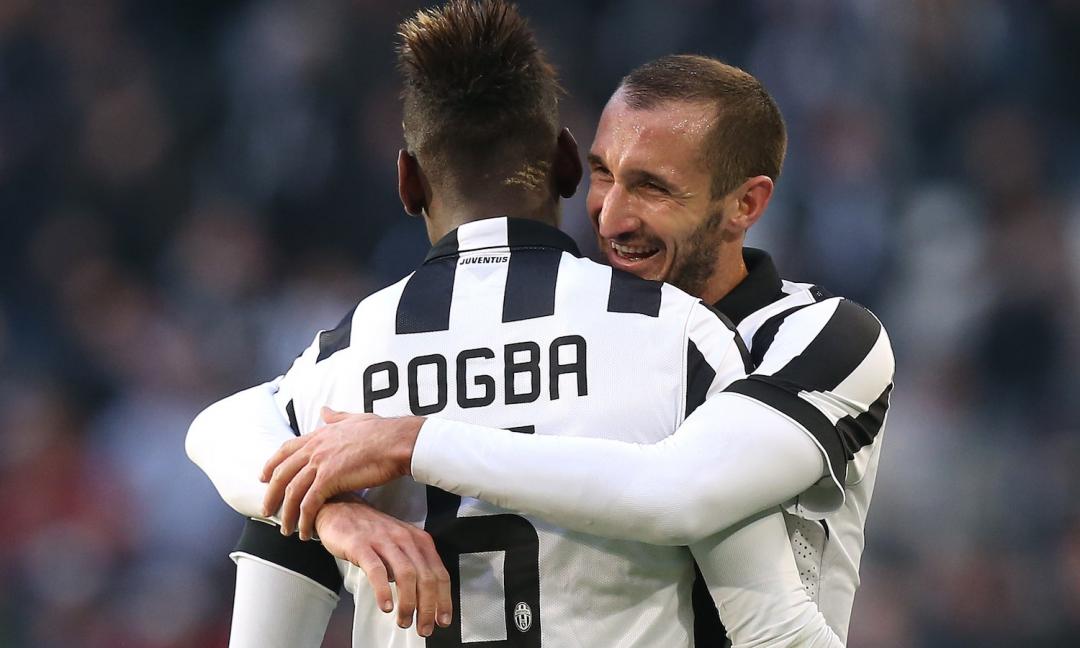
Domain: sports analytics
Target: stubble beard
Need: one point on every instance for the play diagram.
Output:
(698, 258)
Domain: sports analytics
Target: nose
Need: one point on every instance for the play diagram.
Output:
(617, 216)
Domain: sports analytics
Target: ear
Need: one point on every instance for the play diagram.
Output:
(752, 198)
(567, 169)
(410, 186)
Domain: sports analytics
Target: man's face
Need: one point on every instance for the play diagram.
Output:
(649, 192)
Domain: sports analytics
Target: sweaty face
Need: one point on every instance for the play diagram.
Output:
(649, 192)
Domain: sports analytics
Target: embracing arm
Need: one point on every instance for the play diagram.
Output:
(819, 394)
(232, 439)
(732, 458)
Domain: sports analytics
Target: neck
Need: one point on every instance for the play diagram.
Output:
(729, 272)
(445, 216)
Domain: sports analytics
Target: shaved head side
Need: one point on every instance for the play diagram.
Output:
(480, 99)
(748, 137)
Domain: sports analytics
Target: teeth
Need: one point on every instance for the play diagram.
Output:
(631, 249)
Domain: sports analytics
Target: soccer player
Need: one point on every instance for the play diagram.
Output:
(505, 325)
(682, 165)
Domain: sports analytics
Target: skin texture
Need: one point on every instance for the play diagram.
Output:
(445, 206)
(650, 189)
(387, 549)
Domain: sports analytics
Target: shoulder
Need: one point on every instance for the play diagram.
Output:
(823, 341)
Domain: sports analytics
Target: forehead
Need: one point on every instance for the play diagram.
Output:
(671, 132)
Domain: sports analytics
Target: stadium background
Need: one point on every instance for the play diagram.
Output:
(189, 189)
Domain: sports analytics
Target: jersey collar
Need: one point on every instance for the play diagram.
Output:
(501, 232)
(760, 288)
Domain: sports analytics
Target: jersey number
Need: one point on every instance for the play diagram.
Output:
(505, 532)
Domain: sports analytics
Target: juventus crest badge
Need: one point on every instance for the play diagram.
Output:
(523, 616)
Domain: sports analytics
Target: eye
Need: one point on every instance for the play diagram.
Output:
(652, 186)
(600, 172)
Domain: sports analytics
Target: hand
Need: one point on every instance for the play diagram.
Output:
(388, 549)
(352, 451)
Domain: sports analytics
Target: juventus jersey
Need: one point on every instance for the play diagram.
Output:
(820, 367)
(826, 363)
(504, 325)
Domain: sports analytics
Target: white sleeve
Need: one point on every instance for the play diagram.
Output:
(754, 581)
(232, 439)
(730, 459)
(277, 608)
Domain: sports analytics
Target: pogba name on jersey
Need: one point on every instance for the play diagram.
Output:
(563, 361)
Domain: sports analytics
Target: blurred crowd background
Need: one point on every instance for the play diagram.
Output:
(190, 188)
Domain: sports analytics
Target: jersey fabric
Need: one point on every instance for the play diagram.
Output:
(504, 325)
(821, 370)
(825, 362)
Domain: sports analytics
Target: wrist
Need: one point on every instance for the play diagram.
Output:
(407, 433)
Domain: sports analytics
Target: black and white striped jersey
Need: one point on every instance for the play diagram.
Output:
(826, 363)
(820, 367)
(504, 325)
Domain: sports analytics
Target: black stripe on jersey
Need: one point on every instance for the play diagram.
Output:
(748, 363)
(699, 377)
(425, 302)
(310, 559)
(820, 294)
(522, 232)
(632, 294)
(336, 339)
(837, 350)
(290, 411)
(760, 388)
(530, 284)
(859, 431)
(444, 247)
(766, 333)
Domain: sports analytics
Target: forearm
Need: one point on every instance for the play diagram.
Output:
(752, 576)
(731, 459)
(275, 607)
(232, 439)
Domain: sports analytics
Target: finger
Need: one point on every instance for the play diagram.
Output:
(294, 494)
(444, 598)
(426, 591)
(405, 578)
(283, 475)
(313, 500)
(372, 565)
(280, 455)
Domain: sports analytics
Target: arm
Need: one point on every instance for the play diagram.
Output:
(758, 443)
(230, 441)
(730, 459)
(789, 430)
(733, 457)
(752, 577)
(277, 608)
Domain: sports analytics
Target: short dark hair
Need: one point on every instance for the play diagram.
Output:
(479, 95)
(749, 137)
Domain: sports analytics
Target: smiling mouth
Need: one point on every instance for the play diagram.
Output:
(633, 252)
